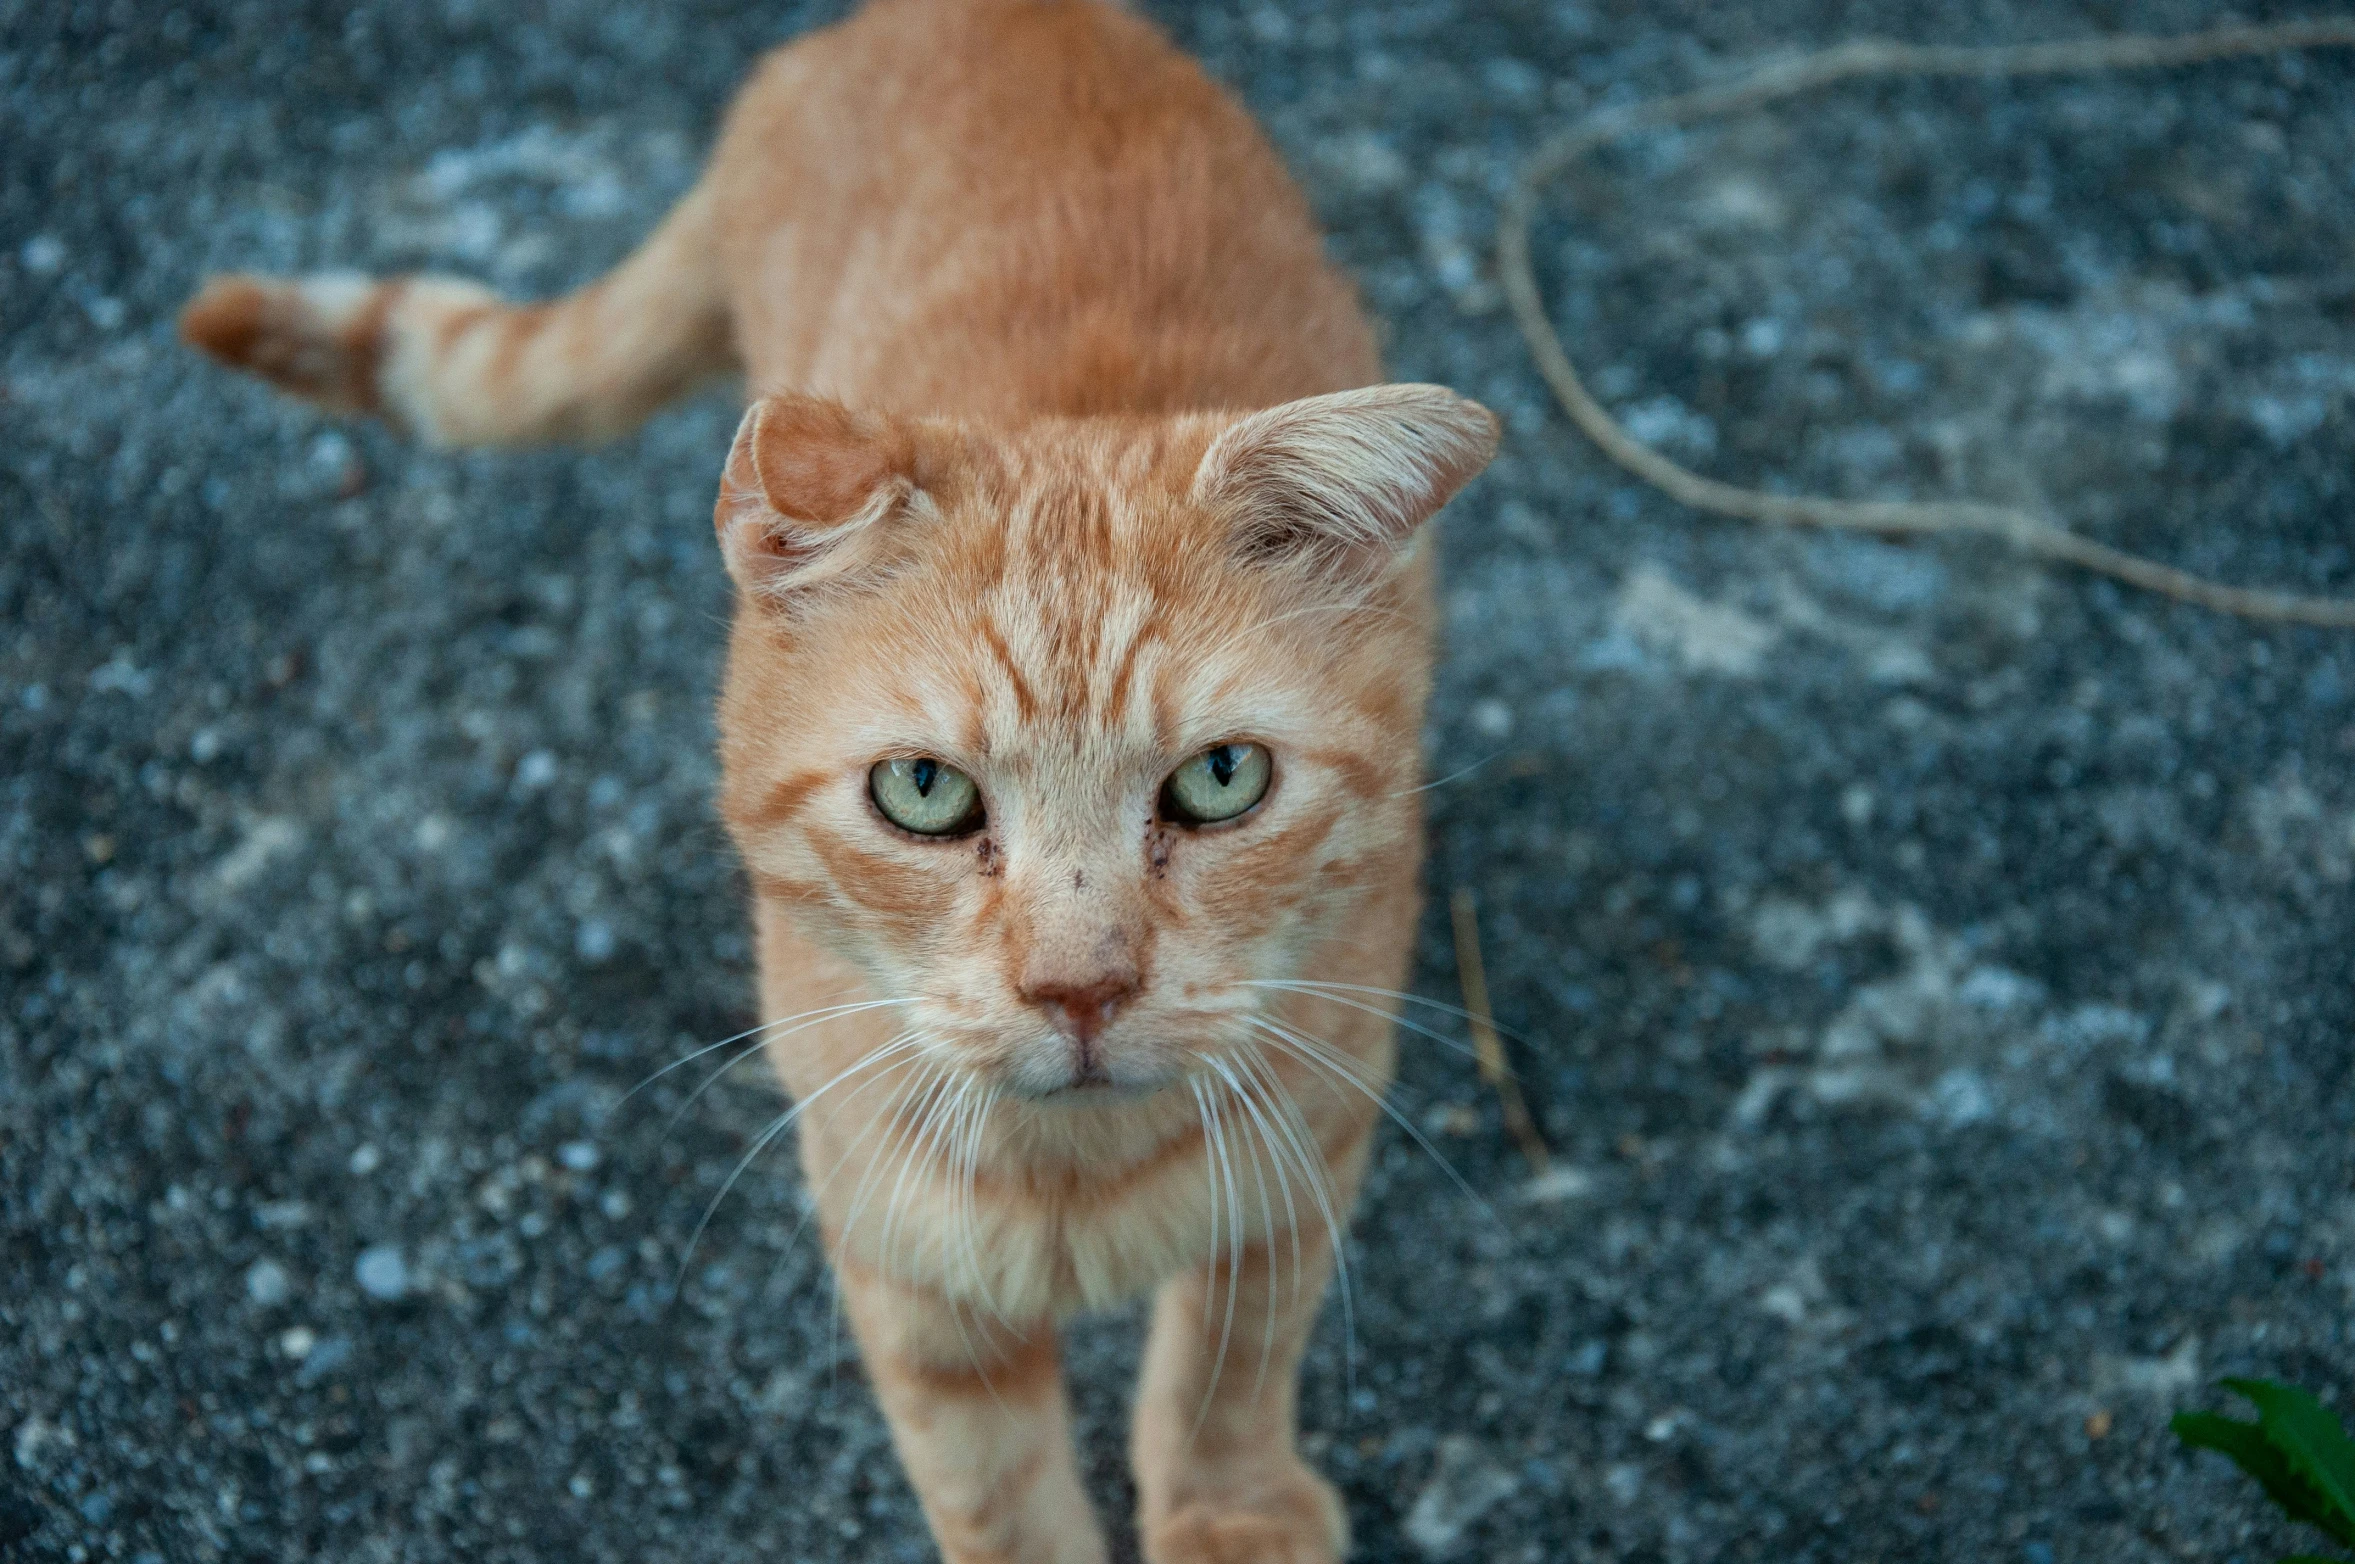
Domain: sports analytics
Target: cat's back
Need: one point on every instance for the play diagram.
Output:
(1037, 205)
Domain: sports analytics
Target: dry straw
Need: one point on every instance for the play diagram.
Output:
(2035, 535)
(1488, 1049)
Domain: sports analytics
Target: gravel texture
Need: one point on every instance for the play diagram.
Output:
(1934, 970)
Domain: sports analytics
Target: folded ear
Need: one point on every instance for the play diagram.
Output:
(1339, 483)
(808, 493)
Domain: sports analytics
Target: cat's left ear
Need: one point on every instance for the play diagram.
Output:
(1339, 483)
(809, 493)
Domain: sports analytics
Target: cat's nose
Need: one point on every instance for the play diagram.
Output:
(1081, 1009)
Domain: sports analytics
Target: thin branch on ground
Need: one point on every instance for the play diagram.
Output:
(1488, 1049)
(2035, 535)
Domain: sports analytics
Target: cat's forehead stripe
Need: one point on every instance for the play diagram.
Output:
(1070, 650)
(1115, 700)
(1026, 704)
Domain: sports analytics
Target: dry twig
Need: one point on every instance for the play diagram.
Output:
(2032, 534)
(1488, 1048)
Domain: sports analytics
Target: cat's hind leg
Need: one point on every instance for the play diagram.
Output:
(450, 362)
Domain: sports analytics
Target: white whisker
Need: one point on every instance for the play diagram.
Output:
(777, 1127)
(1210, 1272)
(895, 1207)
(898, 1096)
(1224, 1169)
(1267, 1228)
(1312, 1051)
(810, 1017)
(892, 1112)
(1241, 1082)
(943, 1121)
(870, 1178)
(1452, 776)
(1318, 990)
(969, 1199)
(1310, 1156)
(966, 1223)
(1411, 1025)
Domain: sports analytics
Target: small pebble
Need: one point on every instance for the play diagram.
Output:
(330, 451)
(593, 941)
(366, 1160)
(578, 1155)
(1560, 1182)
(1762, 337)
(382, 1273)
(266, 1283)
(1465, 1485)
(297, 1342)
(327, 1356)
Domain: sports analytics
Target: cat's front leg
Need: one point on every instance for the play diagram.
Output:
(977, 1414)
(1220, 1479)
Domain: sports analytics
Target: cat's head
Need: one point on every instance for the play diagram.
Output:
(1076, 736)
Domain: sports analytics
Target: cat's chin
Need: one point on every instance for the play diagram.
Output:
(1085, 1095)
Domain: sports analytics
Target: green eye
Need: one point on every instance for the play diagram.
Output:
(925, 796)
(1218, 784)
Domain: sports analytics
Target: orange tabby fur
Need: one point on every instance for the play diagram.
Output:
(1070, 485)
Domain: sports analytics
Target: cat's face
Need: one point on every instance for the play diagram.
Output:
(1076, 739)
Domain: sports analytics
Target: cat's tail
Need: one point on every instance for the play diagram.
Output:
(452, 363)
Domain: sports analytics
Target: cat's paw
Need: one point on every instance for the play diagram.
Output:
(1294, 1519)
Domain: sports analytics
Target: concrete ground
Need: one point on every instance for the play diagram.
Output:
(1935, 970)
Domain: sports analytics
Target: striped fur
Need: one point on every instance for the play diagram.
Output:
(1083, 468)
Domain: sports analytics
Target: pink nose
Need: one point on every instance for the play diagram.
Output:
(1081, 1010)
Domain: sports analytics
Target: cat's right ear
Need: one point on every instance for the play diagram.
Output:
(807, 489)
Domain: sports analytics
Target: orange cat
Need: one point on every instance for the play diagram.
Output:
(1071, 713)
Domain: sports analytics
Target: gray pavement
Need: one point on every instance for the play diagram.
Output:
(1935, 970)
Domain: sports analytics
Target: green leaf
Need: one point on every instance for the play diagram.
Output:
(2255, 1454)
(2314, 1444)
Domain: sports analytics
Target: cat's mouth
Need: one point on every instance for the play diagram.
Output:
(1097, 1086)
(1052, 1071)
(1101, 1089)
